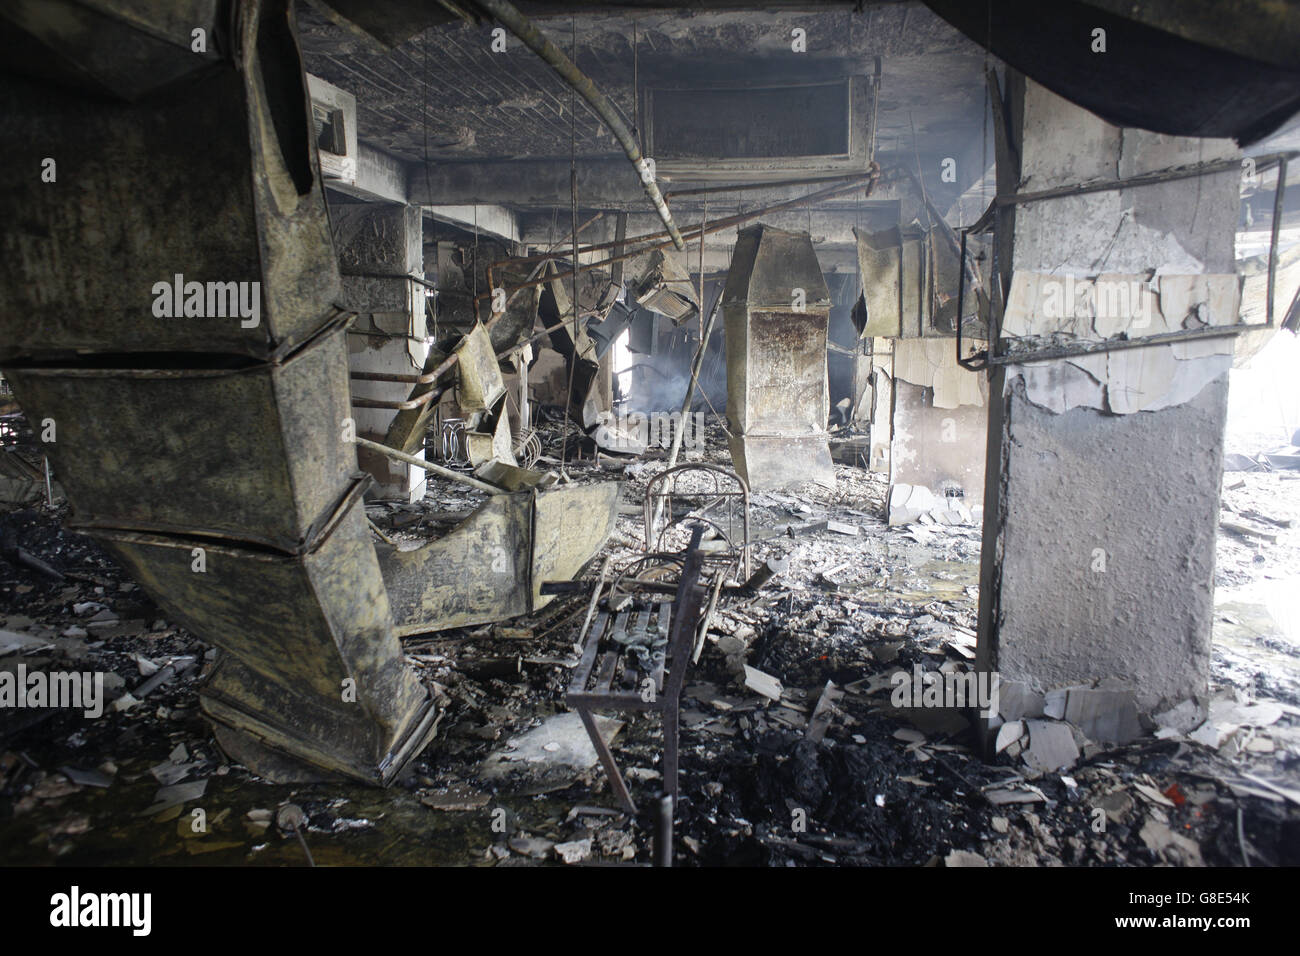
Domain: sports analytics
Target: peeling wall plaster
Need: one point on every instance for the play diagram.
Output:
(932, 363)
(1054, 309)
(1171, 243)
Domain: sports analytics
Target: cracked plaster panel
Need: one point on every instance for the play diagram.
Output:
(1185, 226)
(1123, 381)
(1126, 380)
(1156, 243)
(932, 363)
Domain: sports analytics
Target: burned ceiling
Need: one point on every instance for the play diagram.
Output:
(446, 96)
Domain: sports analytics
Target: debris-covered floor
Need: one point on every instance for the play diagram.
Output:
(512, 780)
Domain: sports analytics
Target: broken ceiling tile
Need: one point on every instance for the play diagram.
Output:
(1008, 734)
(1051, 746)
(1016, 700)
(574, 851)
(1106, 715)
(761, 683)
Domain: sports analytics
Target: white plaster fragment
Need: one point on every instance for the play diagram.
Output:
(932, 363)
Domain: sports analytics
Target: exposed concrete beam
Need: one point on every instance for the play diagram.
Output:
(379, 177)
(491, 220)
(609, 183)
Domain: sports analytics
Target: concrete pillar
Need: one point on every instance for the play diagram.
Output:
(1103, 470)
(380, 249)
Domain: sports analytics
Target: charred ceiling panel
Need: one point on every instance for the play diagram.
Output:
(762, 123)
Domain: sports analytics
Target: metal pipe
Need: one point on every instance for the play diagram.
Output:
(664, 831)
(696, 232)
(830, 192)
(535, 40)
(428, 466)
(766, 184)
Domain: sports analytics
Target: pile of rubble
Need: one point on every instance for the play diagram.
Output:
(806, 737)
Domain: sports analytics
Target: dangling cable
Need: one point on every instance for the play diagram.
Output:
(573, 209)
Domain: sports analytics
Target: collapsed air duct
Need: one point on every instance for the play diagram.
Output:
(208, 451)
(777, 308)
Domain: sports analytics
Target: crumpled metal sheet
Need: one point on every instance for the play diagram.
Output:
(299, 630)
(148, 192)
(256, 449)
(479, 383)
(226, 488)
(664, 286)
(491, 566)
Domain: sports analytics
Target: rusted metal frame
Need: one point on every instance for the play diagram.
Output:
(535, 40)
(595, 597)
(579, 681)
(642, 627)
(993, 217)
(612, 700)
(607, 761)
(979, 361)
(609, 662)
(1154, 178)
(686, 611)
(703, 632)
(648, 508)
(451, 432)
(663, 842)
(681, 634)
(665, 624)
(694, 515)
